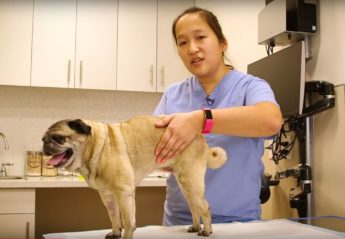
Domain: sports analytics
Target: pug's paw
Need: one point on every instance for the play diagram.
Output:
(193, 229)
(204, 233)
(111, 235)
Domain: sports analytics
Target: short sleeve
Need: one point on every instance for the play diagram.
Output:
(259, 90)
(161, 107)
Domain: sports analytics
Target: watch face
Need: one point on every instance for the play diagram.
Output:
(208, 114)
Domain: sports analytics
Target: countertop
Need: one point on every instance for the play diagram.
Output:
(153, 180)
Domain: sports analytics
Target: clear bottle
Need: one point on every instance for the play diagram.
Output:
(64, 172)
(33, 163)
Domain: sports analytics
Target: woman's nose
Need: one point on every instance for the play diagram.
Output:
(193, 48)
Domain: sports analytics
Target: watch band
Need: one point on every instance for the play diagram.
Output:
(208, 121)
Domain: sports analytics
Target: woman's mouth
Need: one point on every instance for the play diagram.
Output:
(196, 61)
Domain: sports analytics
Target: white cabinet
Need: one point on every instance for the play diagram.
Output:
(53, 46)
(74, 44)
(15, 41)
(137, 45)
(147, 57)
(17, 213)
(170, 68)
(104, 44)
(96, 44)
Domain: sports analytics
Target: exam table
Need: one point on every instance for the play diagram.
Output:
(271, 229)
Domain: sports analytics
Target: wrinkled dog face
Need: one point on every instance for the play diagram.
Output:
(63, 139)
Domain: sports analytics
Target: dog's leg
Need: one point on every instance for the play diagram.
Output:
(126, 202)
(193, 188)
(109, 200)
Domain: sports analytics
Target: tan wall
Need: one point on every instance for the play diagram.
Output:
(329, 159)
(278, 206)
(328, 145)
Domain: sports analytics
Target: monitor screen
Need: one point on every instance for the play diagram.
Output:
(285, 72)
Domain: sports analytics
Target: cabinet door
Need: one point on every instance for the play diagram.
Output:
(15, 41)
(17, 225)
(17, 213)
(170, 68)
(137, 45)
(53, 47)
(96, 42)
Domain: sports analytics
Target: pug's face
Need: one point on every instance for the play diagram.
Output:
(63, 139)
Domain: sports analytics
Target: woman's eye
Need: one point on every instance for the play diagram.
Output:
(201, 37)
(181, 43)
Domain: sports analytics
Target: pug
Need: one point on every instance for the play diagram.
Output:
(114, 158)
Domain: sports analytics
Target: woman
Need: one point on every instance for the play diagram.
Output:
(244, 112)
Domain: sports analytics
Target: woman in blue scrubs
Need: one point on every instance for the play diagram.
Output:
(243, 111)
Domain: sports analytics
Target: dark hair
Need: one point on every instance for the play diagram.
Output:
(208, 16)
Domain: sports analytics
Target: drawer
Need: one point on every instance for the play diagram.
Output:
(17, 201)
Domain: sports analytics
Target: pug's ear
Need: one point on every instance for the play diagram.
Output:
(79, 126)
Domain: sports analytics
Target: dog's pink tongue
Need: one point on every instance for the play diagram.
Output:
(56, 159)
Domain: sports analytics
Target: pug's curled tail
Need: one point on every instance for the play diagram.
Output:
(217, 157)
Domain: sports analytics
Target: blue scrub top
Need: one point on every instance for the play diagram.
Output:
(233, 190)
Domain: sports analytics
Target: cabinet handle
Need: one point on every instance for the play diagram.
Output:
(27, 230)
(81, 73)
(151, 72)
(68, 72)
(162, 75)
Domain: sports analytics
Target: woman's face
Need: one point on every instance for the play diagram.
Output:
(199, 47)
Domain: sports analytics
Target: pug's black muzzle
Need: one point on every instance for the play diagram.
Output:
(51, 149)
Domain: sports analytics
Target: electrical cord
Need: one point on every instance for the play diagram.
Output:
(269, 48)
(280, 148)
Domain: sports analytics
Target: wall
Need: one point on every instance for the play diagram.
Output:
(329, 127)
(239, 21)
(327, 46)
(278, 205)
(329, 160)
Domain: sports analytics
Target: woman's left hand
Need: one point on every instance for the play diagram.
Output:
(181, 131)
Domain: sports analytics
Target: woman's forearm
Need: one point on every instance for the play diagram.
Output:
(263, 119)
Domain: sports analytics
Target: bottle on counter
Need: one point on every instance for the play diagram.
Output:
(33, 163)
(48, 170)
(64, 172)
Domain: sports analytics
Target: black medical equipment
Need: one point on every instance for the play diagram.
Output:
(319, 96)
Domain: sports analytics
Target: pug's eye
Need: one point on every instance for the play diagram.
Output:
(58, 138)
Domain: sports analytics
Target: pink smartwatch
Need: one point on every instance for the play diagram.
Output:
(208, 122)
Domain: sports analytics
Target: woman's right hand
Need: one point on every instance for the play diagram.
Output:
(181, 129)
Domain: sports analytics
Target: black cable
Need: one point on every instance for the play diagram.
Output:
(279, 147)
(269, 48)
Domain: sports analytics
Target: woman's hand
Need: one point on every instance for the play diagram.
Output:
(181, 130)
